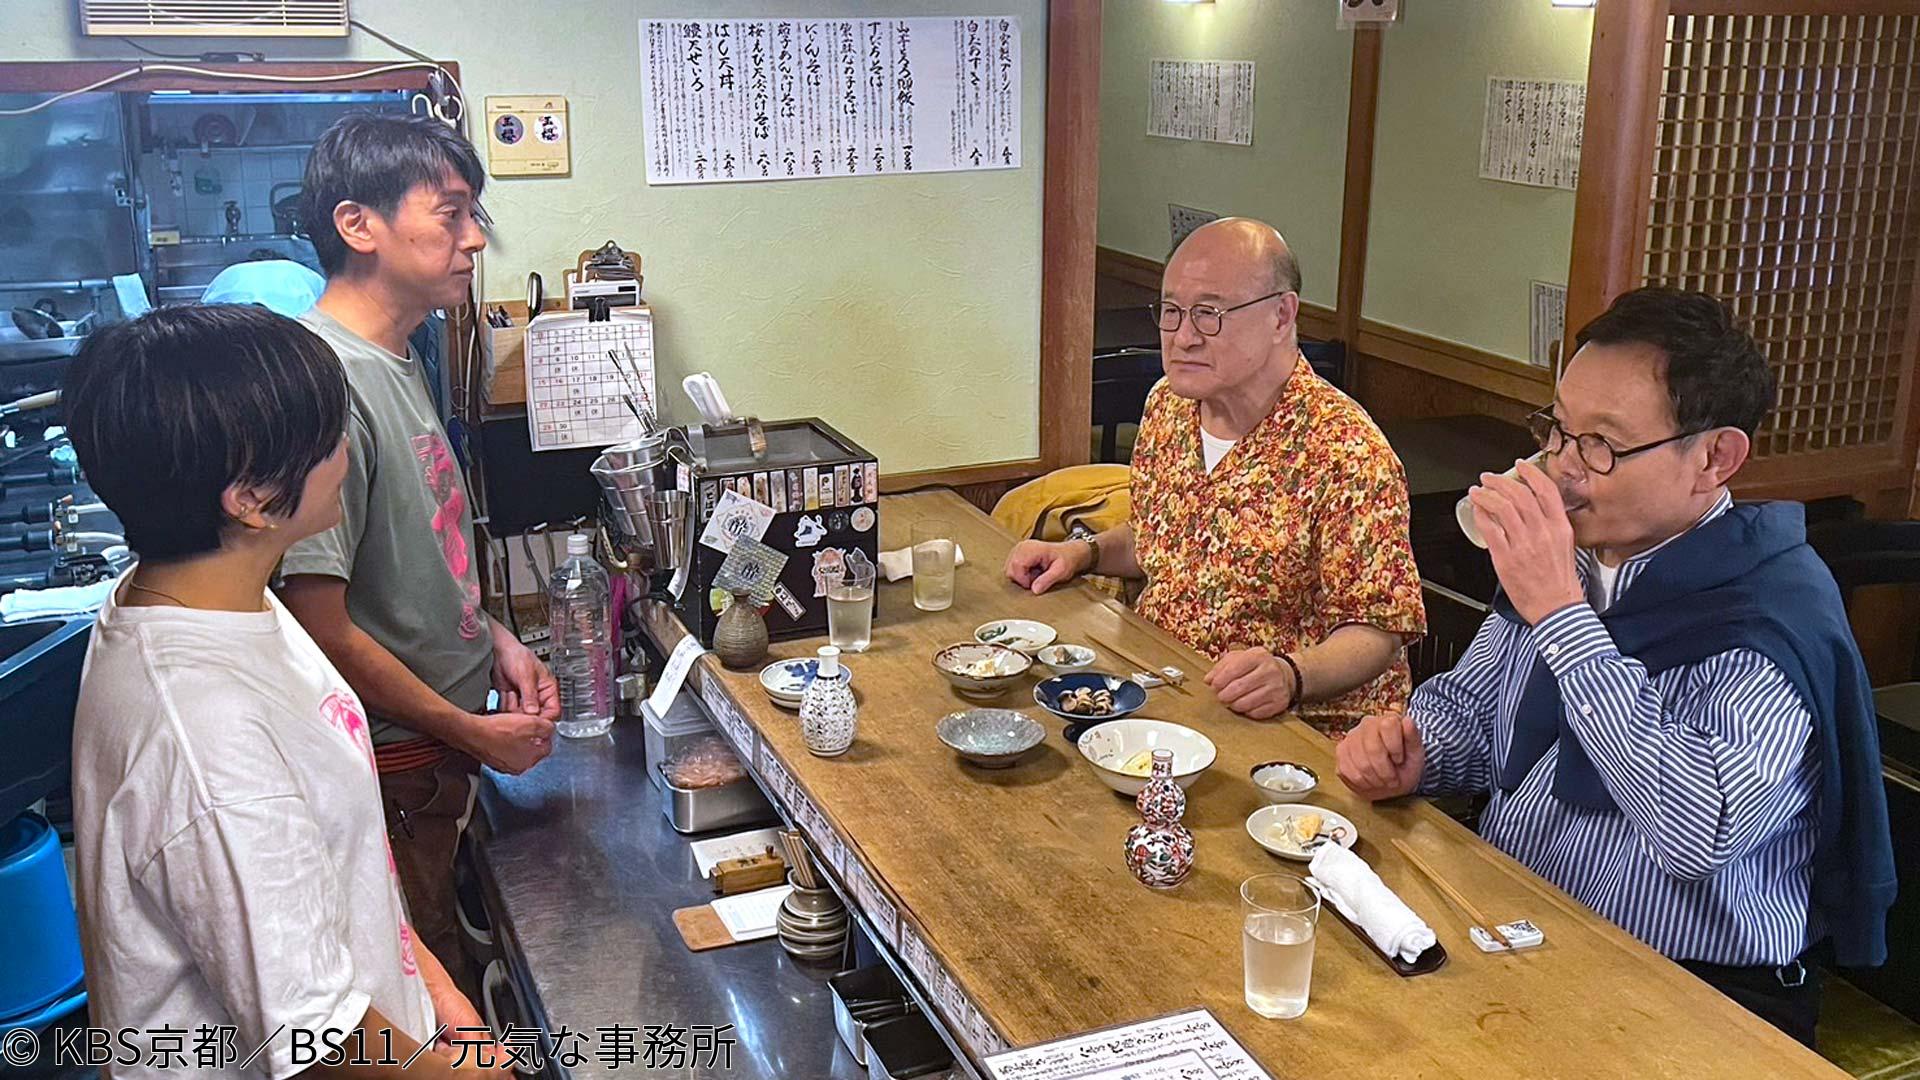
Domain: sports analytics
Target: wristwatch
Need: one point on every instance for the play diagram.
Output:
(1093, 545)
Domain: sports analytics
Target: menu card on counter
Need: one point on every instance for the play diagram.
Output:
(727, 715)
(826, 842)
(1185, 1046)
(778, 781)
(879, 910)
(678, 664)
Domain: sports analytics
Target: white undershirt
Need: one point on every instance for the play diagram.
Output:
(1601, 594)
(1213, 449)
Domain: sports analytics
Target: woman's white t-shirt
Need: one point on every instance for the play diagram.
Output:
(233, 858)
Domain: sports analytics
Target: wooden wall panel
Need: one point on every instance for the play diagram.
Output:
(1768, 152)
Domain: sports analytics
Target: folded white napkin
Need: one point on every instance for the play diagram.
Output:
(23, 604)
(895, 565)
(1348, 883)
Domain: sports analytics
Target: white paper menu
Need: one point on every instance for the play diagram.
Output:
(728, 100)
(1185, 1046)
(678, 664)
(1206, 100)
(1532, 130)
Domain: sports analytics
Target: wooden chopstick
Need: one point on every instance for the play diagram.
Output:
(1450, 892)
(1145, 667)
(796, 850)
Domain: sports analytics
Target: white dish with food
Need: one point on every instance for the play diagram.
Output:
(1295, 831)
(1063, 658)
(1121, 752)
(981, 670)
(1025, 635)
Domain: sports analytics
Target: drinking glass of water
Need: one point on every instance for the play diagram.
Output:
(850, 609)
(932, 565)
(1279, 913)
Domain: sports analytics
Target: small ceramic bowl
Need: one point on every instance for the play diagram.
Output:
(981, 671)
(990, 738)
(1111, 745)
(1023, 634)
(1064, 658)
(1273, 828)
(785, 681)
(1128, 695)
(1284, 781)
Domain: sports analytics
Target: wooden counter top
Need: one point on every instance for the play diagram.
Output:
(1014, 879)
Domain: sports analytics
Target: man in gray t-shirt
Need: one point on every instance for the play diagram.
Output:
(404, 544)
(391, 594)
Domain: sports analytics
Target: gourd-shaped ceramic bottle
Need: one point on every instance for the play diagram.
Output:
(827, 709)
(1160, 849)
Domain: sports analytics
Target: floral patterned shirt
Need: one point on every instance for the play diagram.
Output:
(1299, 530)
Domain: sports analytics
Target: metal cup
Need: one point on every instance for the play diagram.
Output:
(667, 521)
(644, 452)
(627, 490)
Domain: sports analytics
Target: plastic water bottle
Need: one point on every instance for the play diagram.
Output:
(580, 614)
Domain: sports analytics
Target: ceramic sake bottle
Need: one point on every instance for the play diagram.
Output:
(1160, 849)
(827, 709)
(740, 637)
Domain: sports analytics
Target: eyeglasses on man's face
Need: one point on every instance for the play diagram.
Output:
(1207, 319)
(1596, 453)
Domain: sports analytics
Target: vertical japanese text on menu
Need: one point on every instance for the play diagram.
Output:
(731, 100)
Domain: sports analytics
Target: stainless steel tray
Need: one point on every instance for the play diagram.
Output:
(694, 810)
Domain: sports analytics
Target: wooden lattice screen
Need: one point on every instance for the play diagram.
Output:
(1777, 149)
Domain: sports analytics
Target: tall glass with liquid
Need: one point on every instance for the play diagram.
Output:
(850, 608)
(1279, 915)
(933, 550)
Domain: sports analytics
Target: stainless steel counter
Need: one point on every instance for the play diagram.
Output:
(584, 872)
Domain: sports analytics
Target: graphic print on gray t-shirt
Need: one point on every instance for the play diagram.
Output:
(404, 543)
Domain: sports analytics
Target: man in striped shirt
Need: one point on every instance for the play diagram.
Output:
(1678, 756)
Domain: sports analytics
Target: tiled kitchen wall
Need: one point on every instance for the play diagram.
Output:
(208, 181)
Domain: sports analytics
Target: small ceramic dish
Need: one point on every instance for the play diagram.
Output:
(990, 738)
(785, 681)
(1279, 829)
(1064, 658)
(1284, 781)
(979, 670)
(1023, 634)
(1127, 695)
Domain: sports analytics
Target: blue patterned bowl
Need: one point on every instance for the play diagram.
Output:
(786, 680)
(1128, 695)
(990, 738)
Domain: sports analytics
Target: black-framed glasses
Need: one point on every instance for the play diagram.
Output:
(1596, 453)
(1206, 318)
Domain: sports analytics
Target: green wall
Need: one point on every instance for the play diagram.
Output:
(905, 311)
(1448, 254)
(1290, 176)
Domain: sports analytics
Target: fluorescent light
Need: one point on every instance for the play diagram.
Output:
(1573, 3)
(1189, 1)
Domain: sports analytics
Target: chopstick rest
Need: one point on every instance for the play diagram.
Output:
(1523, 935)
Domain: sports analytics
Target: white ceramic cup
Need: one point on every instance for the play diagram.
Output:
(1468, 520)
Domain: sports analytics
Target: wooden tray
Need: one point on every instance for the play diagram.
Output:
(1426, 963)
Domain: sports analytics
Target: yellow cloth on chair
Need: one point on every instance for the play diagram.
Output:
(1095, 497)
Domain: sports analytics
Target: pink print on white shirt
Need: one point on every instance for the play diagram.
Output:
(341, 710)
(408, 963)
(443, 480)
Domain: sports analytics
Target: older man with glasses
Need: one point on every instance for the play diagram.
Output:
(1270, 515)
(1667, 707)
